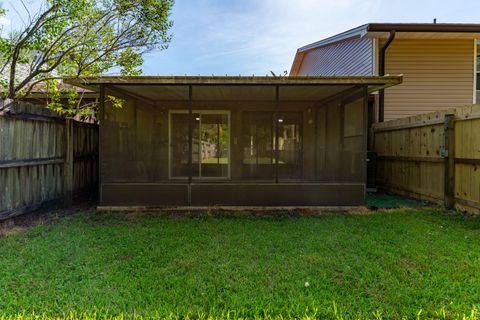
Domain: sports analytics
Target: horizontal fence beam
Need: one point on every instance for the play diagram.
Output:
(33, 116)
(30, 162)
(41, 117)
(411, 159)
(471, 161)
(426, 123)
(414, 192)
(4, 164)
(468, 116)
(468, 203)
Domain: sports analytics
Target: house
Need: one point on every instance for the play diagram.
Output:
(263, 141)
(438, 61)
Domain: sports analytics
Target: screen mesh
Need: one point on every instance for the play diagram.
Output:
(134, 142)
(142, 142)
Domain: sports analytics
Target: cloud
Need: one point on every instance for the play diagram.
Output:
(252, 36)
(270, 31)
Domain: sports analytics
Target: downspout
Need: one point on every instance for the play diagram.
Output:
(381, 107)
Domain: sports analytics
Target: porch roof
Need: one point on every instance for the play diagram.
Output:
(234, 87)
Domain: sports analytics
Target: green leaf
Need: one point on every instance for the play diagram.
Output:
(81, 38)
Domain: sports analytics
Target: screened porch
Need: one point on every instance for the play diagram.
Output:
(178, 141)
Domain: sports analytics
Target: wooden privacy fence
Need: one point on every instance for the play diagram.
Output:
(434, 157)
(44, 159)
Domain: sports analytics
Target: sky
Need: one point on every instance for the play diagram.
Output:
(246, 37)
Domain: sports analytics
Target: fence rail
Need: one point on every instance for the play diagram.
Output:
(434, 156)
(44, 159)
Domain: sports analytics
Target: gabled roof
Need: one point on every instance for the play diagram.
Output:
(376, 29)
(382, 30)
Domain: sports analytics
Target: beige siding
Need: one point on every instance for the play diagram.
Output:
(437, 75)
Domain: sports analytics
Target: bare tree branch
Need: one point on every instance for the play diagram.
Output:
(16, 52)
(18, 13)
(26, 10)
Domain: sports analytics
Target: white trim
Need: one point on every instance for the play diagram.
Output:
(357, 32)
(375, 56)
(184, 111)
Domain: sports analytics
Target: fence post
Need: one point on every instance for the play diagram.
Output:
(68, 164)
(449, 161)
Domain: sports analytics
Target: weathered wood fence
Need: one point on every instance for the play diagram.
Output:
(434, 156)
(44, 159)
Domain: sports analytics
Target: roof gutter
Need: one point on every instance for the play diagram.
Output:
(381, 109)
(425, 27)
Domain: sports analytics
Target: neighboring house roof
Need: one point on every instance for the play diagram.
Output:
(406, 30)
(40, 89)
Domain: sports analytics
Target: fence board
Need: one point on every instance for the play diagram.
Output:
(32, 159)
(409, 151)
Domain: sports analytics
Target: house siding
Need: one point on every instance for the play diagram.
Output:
(346, 58)
(437, 75)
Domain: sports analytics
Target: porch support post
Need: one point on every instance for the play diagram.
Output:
(277, 131)
(365, 137)
(190, 133)
(449, 162)
(101, 117)
(68, 164)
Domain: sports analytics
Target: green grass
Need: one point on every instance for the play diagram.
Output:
(394, 264)
(222, 160)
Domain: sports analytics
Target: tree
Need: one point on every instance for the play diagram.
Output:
(81, 38)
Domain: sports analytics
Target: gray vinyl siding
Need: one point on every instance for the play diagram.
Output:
(347, 58)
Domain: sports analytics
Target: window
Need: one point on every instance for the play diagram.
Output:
(259, 142)
(289, 145)
(210, 144)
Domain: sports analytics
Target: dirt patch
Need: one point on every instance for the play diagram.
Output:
(376, 203)
(11, 231)
(50, 215)
(236, 211)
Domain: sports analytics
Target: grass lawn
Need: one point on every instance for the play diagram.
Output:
(395, 264)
